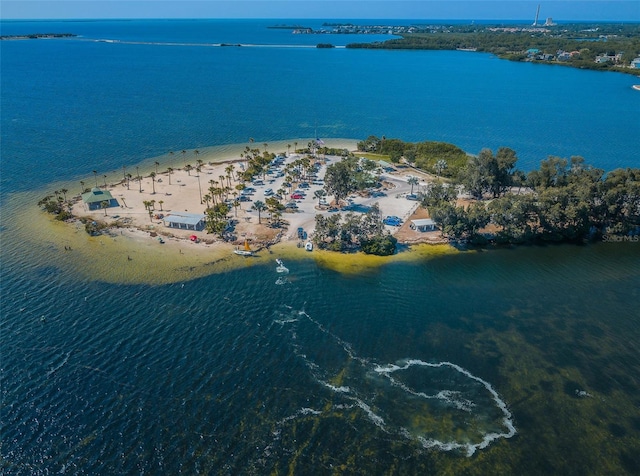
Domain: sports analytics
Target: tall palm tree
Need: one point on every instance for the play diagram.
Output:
(124, 172)
(157, 163)
(198, 169)
(229, 171)
(82, 187)
(207, 199)
(188, 168)
(104, 204)
(319, 194)
(412, 181)
(139, 179)
(153, 182)
(295, 147)
(184, 152)
(95, 175)
(288, 149)
(64, 192)
(128, 177)
(105, 181)
(160, 202)
(259, 206)
(169, 172)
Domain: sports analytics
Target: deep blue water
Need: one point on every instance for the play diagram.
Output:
(77, 105)
(404, 370)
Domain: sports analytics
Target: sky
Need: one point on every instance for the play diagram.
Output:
(559, 10)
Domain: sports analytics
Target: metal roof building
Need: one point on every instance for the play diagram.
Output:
(185, 221)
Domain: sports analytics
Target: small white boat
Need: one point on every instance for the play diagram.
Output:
(281, 267)
(308, 246)
(244, 252)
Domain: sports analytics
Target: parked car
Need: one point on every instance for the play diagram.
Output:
(268, 192)
(297, 196)
(392, 221)
(291, 205)
(244, 198)
(304, 185)
(412, 196)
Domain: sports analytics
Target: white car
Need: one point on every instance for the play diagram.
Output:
(268, 192)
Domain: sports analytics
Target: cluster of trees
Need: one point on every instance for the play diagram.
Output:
(564, 200)
(439, 158)
(350, 175)
(57, 204)
(355, 231)
(589, 40)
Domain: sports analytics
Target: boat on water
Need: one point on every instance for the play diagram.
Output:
(246, 251)
(281, 267)
(308, 246)
(636, 87)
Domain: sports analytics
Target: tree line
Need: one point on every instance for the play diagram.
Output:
(562, 201)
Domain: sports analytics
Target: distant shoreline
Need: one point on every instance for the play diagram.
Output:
(38, 36)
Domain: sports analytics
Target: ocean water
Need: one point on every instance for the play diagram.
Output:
(519, 361)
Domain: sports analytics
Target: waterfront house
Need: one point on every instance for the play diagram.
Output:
(93, 199)
(423, 224)
(636, 63)
(185, 221)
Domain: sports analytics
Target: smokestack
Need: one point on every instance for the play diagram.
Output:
(535, 22)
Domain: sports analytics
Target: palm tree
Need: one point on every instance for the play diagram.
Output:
(188, 168)
(124, 203)
(196, 153)
(319, 194)
(128, 177)
(236, 204)
(229, 171)
(139, 179)
(440, 166)
(95, 174)
(184, 152)
(412, 181)
(265, 146)
(169, 171)
(157, 163)
(206, 199)
(124, 172)
(160, 202)
(295, 147)
(259, 206)
(82, 187)
(153, 182)
(105, 181)
(152, 204)
(104, 204)
(64, 192)
(288, 149)
(198, 168)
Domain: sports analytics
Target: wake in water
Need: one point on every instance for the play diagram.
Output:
(439, 405)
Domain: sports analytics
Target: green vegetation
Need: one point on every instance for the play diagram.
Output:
(562, 201)
(352, 232)
(586, 42)
(57, 205)
(438, 158)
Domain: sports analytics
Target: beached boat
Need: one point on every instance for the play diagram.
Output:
(308, 246)
(246, 251)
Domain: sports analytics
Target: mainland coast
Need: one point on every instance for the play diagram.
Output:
(135, 246)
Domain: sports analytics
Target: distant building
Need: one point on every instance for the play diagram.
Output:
(185, 221)
(604, 58)
(93, 199)
(636, 63)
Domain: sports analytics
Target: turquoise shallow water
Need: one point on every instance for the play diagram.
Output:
(519, 361)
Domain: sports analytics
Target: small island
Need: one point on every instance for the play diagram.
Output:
(378, 199)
